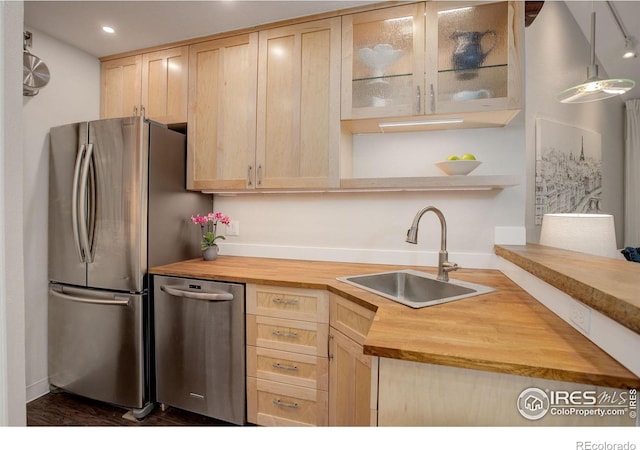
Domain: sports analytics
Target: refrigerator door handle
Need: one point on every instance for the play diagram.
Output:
(209, 296)
(82, 208)
(75, 201)
(117, 301)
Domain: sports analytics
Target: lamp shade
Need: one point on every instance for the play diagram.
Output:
(587, 233)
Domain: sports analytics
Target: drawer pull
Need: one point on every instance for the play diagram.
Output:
(284, 404)
(286, 335)
(280, 366)
(284, 302)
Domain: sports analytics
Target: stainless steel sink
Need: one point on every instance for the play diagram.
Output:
(415, 289)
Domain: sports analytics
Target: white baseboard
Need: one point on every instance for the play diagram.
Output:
(37, 390)
(617, 340)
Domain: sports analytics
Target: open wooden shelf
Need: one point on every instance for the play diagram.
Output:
(437, 183)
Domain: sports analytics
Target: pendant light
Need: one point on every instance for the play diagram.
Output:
(595, 88)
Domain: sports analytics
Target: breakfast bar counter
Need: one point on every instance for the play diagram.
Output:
(505, 331)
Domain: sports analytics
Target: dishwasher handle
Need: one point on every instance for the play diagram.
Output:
(214, 296)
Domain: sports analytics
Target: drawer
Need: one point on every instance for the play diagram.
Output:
(288, 303)
(297, 336)
(276, 404)
(350, 318)
(288, 367)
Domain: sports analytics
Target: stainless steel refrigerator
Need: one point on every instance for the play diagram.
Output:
(117, 206)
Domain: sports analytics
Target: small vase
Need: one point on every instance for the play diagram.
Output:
(210, 254)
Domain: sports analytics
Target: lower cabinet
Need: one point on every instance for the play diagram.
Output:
(353, 376)
(352, 383)
(287, 348)
(305, 359)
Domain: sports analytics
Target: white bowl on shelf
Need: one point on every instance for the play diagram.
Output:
(458, 166)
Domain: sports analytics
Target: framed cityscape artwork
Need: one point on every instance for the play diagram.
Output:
(568, 169)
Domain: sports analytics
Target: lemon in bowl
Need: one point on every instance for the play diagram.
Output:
(459, 165)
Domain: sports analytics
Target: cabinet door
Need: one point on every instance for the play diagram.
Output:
(165, 85)
(474, 56)
(352, 383)
(222, 113)
(120, 91)
(383, 62)
(299, 106)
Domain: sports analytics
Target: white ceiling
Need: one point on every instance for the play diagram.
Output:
(142, 24)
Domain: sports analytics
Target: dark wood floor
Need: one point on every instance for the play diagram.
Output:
(63, 409)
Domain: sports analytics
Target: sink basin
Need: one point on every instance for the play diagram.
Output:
(415, 289)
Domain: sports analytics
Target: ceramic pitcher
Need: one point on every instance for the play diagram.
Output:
(467, 53)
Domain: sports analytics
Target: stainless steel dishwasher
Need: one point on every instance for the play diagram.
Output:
(199, 331)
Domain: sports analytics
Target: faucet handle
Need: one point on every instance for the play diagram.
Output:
(449, 266)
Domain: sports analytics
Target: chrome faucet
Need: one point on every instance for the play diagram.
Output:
(444, 266)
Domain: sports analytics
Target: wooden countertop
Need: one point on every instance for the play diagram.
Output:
(505, 331)
(610, 286)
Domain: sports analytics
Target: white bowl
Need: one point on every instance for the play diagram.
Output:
(458, 166)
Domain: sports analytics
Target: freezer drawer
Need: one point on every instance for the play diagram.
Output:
(200, 347)
(97, 345)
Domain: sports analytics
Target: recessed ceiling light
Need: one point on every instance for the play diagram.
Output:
(107, 29)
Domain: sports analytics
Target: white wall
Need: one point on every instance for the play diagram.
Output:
(12, 313)
(557, 56)
(371, 227)
(72, 95)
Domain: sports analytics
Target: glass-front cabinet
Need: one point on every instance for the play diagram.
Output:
(383, 63)
(473, 57)
(432, 58)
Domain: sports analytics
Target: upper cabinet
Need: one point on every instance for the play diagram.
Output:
(165, 79)
(298, 133)
(433, 59)
(274, 107)
(121, 87)
(383, 62)
(151, 84)
(473, 56)
(221, 132)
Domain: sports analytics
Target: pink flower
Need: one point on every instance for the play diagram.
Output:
(210, 221)
(198, 219)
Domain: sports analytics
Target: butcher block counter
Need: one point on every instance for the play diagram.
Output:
(611, 286)
(505, 331)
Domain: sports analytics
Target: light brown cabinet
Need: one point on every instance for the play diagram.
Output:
(383, 62)
(165, 79)
(287, 347)
(121, 88)
(298, 130)
(353, 386)
(474, 56)
(151, 84)
(423, 62)
(222, 113)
